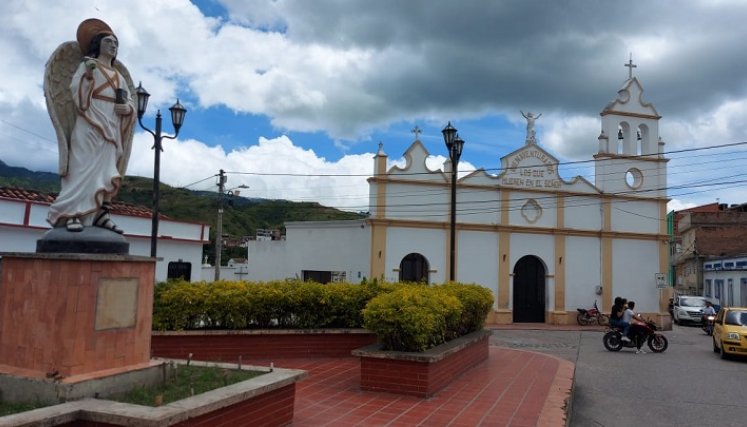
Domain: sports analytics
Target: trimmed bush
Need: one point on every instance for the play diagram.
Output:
(477, 302)
(412, 318)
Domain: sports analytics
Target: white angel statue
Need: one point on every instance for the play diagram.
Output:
(88, 93)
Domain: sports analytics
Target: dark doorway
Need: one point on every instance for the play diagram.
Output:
(179, 270)
(413, 268)
(322, 277)
(529, 290)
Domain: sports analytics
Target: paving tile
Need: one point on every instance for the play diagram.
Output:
(512, 388)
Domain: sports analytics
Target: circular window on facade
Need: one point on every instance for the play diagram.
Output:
(634, 178)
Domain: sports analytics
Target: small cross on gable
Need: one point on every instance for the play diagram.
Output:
(416, 130)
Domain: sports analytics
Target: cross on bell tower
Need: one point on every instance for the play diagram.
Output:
(630, 66)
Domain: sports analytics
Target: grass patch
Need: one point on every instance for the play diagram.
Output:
(14, 408)
(184, 381)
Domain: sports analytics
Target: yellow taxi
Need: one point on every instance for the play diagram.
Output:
(730, 332)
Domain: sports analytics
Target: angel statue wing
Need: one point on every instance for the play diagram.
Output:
(130, 132)
(58, 73)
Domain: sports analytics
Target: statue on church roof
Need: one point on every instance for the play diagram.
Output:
(531, 133)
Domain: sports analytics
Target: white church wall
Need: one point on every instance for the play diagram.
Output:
(582, 272)
(634, 273)
(478, 206)
(427, 242)
(531, 209)
(477, 259)
(583, 213)
(635, 216)
(417, 202)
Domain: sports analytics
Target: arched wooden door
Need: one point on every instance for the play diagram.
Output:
(413, 268)
(529, 290)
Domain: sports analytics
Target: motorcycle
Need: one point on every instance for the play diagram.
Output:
(657, 342)
(708, 321)
(591, 315)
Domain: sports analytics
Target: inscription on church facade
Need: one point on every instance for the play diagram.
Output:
(532, 176)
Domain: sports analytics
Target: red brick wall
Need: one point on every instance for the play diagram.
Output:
(268, 410)
(228, 348)
(420, 378)
(48, 311)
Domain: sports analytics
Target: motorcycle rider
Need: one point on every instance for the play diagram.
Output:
(616, 316)
(708, 311)
(635, 321)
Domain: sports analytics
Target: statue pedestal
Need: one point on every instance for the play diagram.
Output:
(66, 315)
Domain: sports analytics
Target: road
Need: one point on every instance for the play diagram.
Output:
(687, 385)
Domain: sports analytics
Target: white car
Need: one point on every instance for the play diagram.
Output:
(688, 309)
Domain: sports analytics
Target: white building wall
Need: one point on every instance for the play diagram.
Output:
(634, 273)
(185, 244)
(269, 260)
(636, 216)
(427, 242)
(342, 246)
(583, 213)
(418, 202)
(477, 261)
(478, 206)
(583, 272)
(547, 203)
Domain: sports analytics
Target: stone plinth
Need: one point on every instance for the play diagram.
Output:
(67, 315)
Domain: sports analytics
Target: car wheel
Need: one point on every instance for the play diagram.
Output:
(676, 320)
(715, 349)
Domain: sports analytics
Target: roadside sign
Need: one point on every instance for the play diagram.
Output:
(661, 280)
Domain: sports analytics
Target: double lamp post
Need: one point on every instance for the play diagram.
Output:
(454, 144)
(177, 119)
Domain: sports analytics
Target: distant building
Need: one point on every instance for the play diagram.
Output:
(542, 243)
(706, 237)
(23, 220)
(725, 280)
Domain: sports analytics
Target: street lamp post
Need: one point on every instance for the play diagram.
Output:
(454, 144)
(177, 119)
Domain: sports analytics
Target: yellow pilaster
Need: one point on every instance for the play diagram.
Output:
(606, 247)
(663, 254)
(560, 256)
(504, 253)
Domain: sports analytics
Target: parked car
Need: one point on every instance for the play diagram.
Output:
(688, 308)
(730, 332)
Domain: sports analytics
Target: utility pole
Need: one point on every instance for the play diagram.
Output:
(219, 224)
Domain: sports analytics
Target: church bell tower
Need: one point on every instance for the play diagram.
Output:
(630, 160)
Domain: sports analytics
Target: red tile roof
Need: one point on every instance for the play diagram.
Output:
(118, 208)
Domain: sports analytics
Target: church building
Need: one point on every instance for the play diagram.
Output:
(544, 244)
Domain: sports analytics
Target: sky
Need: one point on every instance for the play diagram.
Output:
(292, 97)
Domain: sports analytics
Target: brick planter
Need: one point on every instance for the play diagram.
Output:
(259, 344)
(421, 374)
(266, 400)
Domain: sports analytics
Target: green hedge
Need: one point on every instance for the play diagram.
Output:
(416, 318)
(294, 304)
(405, 316)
